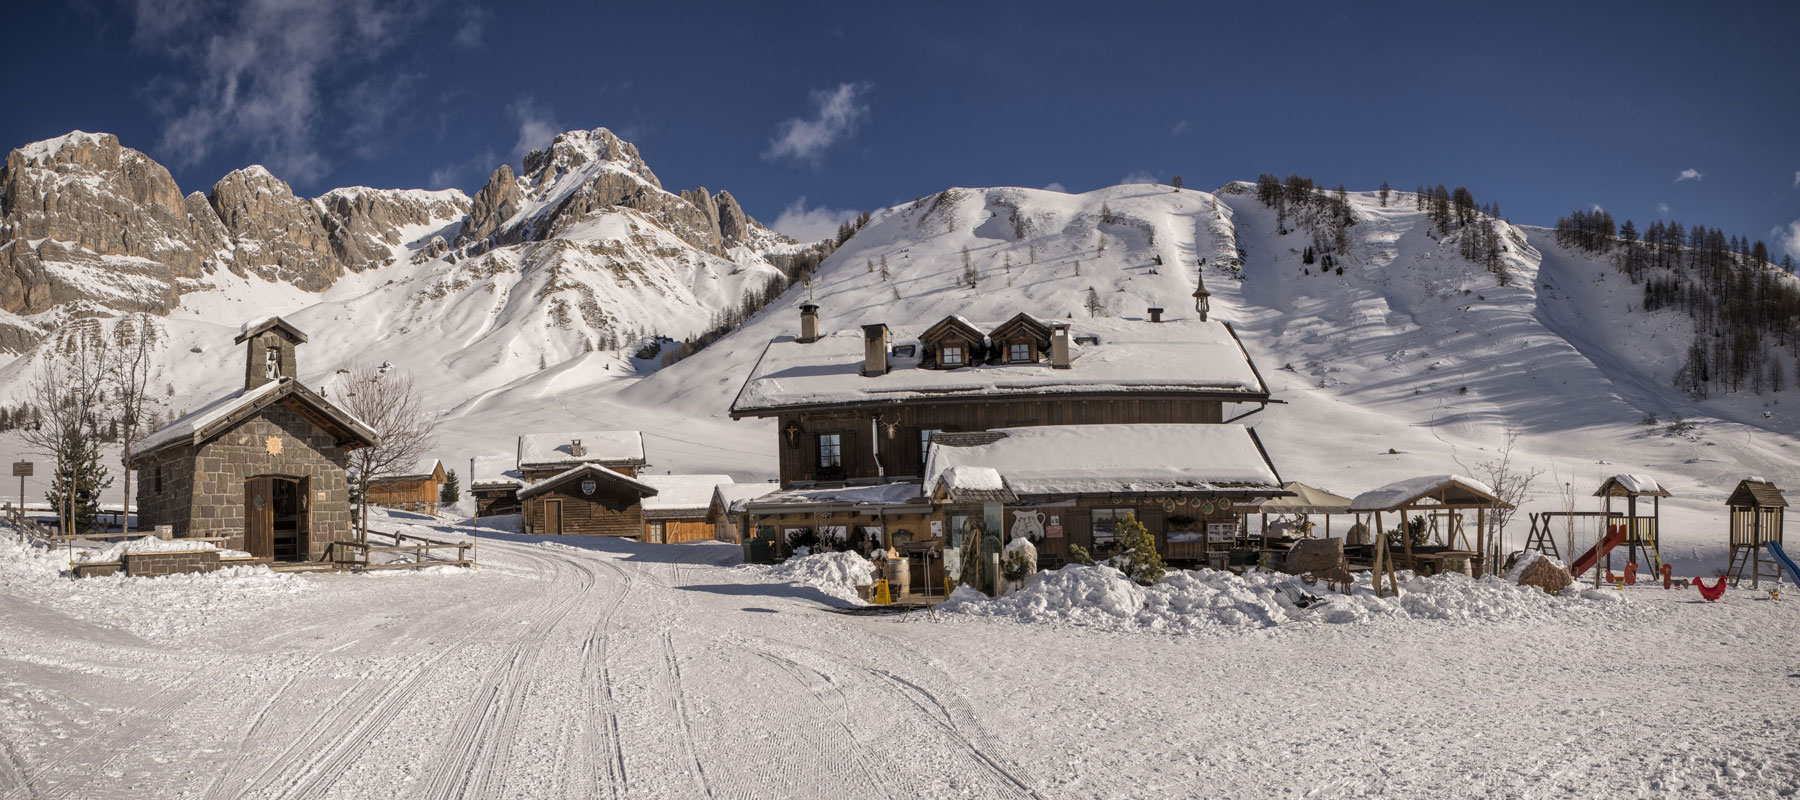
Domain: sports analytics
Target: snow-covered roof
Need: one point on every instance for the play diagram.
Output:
(494, 471)
(201, 424)
(886, 494)
(584, 471)
(681, 495)
(1399, 494)
(1090, 459)
(1186, 356)
(733, 496)
(1306, 500)
(1629, 484)
(549, 449)
(260, 324)
(965, 483)
(424, 468)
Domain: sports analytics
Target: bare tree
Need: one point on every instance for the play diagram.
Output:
(130, 375)
(386, 401)
(1511, 483)
(64, 397)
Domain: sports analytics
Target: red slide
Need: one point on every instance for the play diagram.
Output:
(1614, 535)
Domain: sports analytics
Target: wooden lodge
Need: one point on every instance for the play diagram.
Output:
(419, 490)
(860, 406)
(727, 512)
(678, 511)
(586, 499)
(263, 469)
(494, 482)
(914, 438)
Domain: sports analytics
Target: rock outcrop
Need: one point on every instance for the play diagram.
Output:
(279, 236)
(366, 226)
(492, 207)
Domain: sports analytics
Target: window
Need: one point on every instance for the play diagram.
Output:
(961, 526)
(1106, 523)
(658, 531)
(831, 451)
(1018, 351)
(159, 479)
(925, 443)
(950, 355)
(905, 350)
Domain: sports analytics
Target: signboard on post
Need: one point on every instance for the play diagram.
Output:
(22, 469)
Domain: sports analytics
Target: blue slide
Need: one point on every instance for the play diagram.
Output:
(1781, 557)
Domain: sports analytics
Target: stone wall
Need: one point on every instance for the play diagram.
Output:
(172, 504)
(151, 565)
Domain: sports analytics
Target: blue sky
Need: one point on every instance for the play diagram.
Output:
(807, 111)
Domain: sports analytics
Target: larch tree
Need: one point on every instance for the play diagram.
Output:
(131, 377)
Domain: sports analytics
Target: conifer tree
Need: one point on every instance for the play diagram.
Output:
(451, 490)
(1137, 556)
(79, 475)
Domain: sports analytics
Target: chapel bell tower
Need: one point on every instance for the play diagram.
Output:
(269, 355)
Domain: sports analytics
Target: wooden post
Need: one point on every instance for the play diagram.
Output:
(1480, 540)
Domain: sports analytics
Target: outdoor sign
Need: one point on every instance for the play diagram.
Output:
(937, 529)
(588, 487)
(22, 469)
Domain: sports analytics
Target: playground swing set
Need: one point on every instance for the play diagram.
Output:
(1756, 521)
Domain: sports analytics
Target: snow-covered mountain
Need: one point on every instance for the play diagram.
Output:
(518, 310)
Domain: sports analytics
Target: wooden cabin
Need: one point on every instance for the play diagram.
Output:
(494, 482)
(544, 455)
(418, 490)
(860, 406)
(677, 513)
(586, 499)
(265, 467)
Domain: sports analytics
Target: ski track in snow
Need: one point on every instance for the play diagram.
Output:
(582, 668)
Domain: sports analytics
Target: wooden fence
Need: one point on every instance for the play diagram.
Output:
(420, 553)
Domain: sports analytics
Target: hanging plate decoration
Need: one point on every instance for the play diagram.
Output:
(1206, 507)
(1224, 504)
(588, 487)
(1168, 505)
(1181, 501)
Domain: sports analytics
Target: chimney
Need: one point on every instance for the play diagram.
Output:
(1155, 314)
(1059, 345)
(809, 323)
(576, 450)
(875, 350)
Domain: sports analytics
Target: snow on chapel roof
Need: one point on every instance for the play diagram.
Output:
(209, 420)
(1090, 459)
(1118, 356)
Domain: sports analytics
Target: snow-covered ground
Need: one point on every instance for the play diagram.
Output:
(588, 668)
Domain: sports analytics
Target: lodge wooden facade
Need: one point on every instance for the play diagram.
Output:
(589, 500)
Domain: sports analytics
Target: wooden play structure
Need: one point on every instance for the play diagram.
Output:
(1443, 503)
(1641, 532)
(1756, 519)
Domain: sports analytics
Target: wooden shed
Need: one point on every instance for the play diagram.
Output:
(587, 499)
(419, 490)
(1757, 508)
(677, 513)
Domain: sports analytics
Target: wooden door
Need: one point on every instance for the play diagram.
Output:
(259, 517)
(305, 509)
(553, 517)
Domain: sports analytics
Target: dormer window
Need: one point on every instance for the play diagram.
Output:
(1019, 352)
(951, 355)
(1089, 340)
(905, 350)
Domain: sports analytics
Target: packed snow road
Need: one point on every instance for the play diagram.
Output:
(612, 669)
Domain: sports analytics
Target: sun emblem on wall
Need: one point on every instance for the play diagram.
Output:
(274, 445)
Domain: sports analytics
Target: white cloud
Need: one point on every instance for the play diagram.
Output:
(1797, 179)
(1662, 209)
(1788, 238)
(252, 72)
(474, 26)
(537, 126)
(1054, 186)
(1689, 175)
(811, 224)
(1179, 129)
(468, 174)
(1140, 176)
(840, 111)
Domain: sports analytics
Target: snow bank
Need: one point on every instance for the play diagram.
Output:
(147, 544)
(1196, 600)
(836, 574)
(167, 607)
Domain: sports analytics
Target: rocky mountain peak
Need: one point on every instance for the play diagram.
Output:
(573, 150)
(280, 237)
